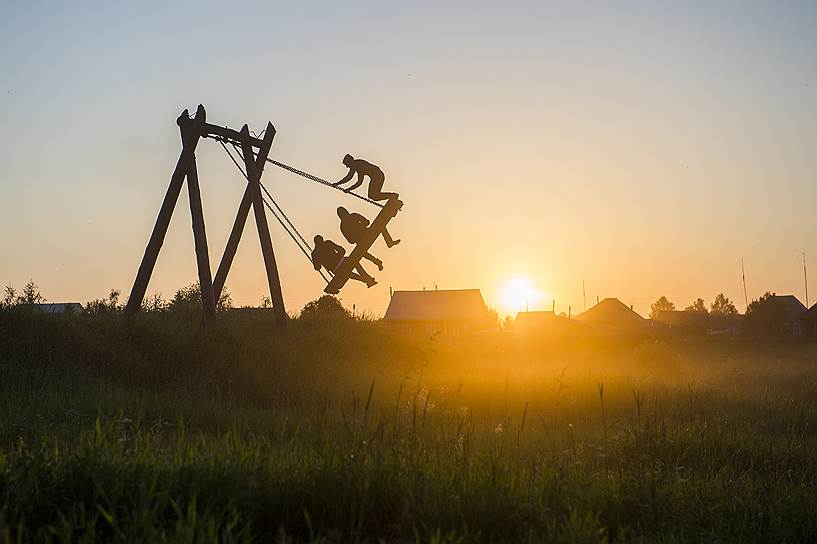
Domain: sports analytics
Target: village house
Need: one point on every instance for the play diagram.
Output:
(452, 312)
(808, 322)
(727, 324)
(684, 320)
(792, 310)
(546, 324)
(534, 320)
(60, 307)
(614, 314)
(690, 321)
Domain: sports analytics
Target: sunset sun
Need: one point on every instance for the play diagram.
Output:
(518, 294)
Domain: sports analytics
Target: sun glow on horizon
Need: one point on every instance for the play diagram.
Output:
(518, 294)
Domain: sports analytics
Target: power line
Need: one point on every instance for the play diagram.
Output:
(280, 210)
(305, 248)
(294, 170)
(235, 162)
(322, 181)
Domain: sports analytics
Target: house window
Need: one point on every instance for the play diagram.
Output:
(795, 328)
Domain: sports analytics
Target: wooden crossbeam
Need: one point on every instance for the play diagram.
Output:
(228, 133)
(341, 275)
(191, 132)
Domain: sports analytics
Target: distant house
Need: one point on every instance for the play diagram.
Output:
(792, 310)
(545, 324)
(612, 313)
(60, 308)
(808, 322)
(534, 320)
(684, 320)
(690, 321)
(726, 324)
(454, 311)
(775, 315)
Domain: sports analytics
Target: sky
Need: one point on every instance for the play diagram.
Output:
(643, 148)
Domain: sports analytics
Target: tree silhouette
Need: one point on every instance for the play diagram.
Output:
(493, 318)
(723, 306)
(325, 307)
(105, 305)
(661, 305)
(697, 306)
(29, 296)
(188, 299)
(764, 316)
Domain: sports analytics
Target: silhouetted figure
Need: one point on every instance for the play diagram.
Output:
(362, 169)
(354, 226)
(329, 255)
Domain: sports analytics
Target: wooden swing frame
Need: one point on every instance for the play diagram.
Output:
(192, 130)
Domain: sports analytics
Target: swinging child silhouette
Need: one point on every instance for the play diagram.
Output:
(362, 169)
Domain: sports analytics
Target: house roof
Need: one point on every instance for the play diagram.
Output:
(60, 307)
(436, 305)
(793, 308)
(810, 314)
(611, 311)
(536, 316)
(682, 318)
(545, 322)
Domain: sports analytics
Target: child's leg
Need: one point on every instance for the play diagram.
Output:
(376, 189)
(380, 195)
(371, 258)
(388, 239)
(367, 279)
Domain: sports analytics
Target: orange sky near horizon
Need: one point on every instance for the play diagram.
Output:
(643, 149)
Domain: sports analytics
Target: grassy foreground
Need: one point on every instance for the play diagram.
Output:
(345, 431)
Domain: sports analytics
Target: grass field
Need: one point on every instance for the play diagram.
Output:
(346, 431)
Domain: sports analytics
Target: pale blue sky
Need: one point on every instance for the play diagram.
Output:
(643, 147)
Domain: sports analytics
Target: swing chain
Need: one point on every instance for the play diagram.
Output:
(305, 248)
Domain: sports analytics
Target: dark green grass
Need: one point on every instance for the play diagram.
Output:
(347, 432)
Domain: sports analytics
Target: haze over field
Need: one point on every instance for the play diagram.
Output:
(642, 147)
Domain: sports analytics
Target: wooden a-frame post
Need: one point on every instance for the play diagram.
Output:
(208, 299)
(254, 168)
(252, 198)
(191, 131)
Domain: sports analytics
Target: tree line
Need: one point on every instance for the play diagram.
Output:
(721, 305)
(763, 316)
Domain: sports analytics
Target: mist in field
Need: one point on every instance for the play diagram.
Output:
(347, 429)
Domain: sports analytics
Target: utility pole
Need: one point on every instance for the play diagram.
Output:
(743, 274)
(584, 297)
(805, 276)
